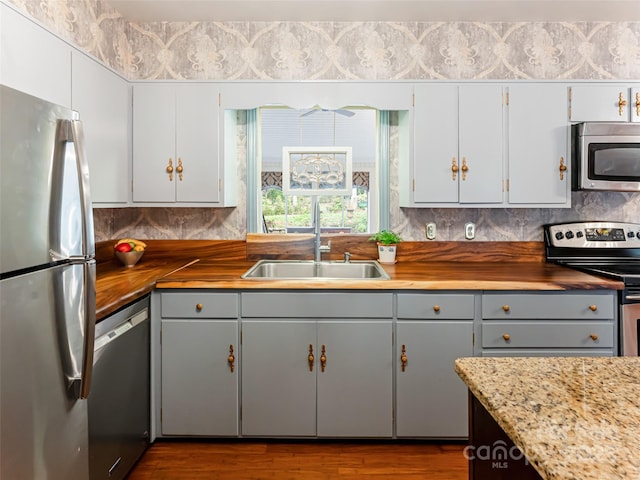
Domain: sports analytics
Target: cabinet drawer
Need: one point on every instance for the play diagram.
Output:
(317, 305)
(548, 306)
(544, 334)
(199, 305)
(424, 306)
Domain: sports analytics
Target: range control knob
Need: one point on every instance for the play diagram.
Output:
(560, 235)
(569, 235)
(638, 235)
(579, 234)
(630, 234)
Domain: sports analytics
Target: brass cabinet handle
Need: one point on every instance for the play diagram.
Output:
(594, 337)
(231, 358)
(403, 357)
(465, 168)
(593, 308)
(323, 358)
(506, 308)
(454, 168)
(563, 168)
(621, 104)
(311, 358)
(179, 168)
(638, 104)
(199, 307)
(436, 308)
(169, 170)
(506, 337)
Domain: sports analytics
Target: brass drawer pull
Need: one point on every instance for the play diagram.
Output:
(198, 307)
(311, 358)
(231, 359)
(436, 308)
(593, 308)
(323, 358)
(403, 357)
(594, 337)
(506, 308)
(506, 337)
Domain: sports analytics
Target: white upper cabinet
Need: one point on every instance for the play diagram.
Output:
(102, 99)
(457, 145)
(605, 103)
(33, 60)
(538, 159)
(176, 154)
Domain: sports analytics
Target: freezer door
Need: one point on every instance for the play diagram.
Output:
(45, 208)
(43, 427)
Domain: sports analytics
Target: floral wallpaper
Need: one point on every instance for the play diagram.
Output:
(351, 51)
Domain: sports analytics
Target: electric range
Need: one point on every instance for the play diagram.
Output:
(610, 249)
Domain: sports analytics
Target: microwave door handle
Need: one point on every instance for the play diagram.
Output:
(88, 242)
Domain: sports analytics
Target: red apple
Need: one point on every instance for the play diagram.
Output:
(123, 247)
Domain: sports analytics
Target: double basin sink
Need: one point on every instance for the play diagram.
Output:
(306, 269)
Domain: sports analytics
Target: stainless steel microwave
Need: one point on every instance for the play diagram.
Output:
(606, 156)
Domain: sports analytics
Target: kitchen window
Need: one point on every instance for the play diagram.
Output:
(354, 212)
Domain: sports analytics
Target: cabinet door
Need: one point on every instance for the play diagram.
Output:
(278, 384)
(538, 130)
(33, 60)
(197, 144)
(481, 141)
(199, 387)
(153, 143)
(102, 99)
(355, 388)
(435, 133)
(600, 103)
(431, 401)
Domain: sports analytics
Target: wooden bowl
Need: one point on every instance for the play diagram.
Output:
(129, 259)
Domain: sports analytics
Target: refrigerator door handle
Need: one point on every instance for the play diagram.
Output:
(88, 242)
(89, 328)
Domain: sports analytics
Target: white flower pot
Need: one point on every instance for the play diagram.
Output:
(387, 253)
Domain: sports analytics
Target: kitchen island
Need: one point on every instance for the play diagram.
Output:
(572, 418)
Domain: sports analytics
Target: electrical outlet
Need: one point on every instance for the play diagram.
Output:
(469, 231)
(430, 230)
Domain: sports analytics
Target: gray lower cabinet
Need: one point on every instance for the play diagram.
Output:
(548, 324)
(317, 364)
(432, 331)
(199, 364)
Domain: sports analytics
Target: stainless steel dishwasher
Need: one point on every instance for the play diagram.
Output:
(119, 401)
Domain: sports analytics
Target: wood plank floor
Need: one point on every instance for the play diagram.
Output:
(293, 460)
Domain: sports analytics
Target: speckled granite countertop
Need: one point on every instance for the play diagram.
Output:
(574, 418)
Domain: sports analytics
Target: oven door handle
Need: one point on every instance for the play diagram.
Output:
(632, 297)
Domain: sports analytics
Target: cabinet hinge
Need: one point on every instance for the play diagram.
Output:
(507, 184)
(506, 99)
(219, 99)
(473, 338)
(413, 184)
(160, 337)
(219, 184)
(160, 414)
(413, 99)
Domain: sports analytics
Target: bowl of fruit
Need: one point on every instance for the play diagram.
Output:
(129, 251)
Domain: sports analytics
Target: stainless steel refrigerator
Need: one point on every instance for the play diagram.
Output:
(47, 291)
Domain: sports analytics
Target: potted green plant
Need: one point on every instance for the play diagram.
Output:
(387, 244)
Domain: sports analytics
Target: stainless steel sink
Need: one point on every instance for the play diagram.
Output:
(305, 269)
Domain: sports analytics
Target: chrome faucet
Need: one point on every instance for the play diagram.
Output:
(319, 249)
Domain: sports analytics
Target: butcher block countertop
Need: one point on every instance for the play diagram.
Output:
(441, 266)
(573, 418)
